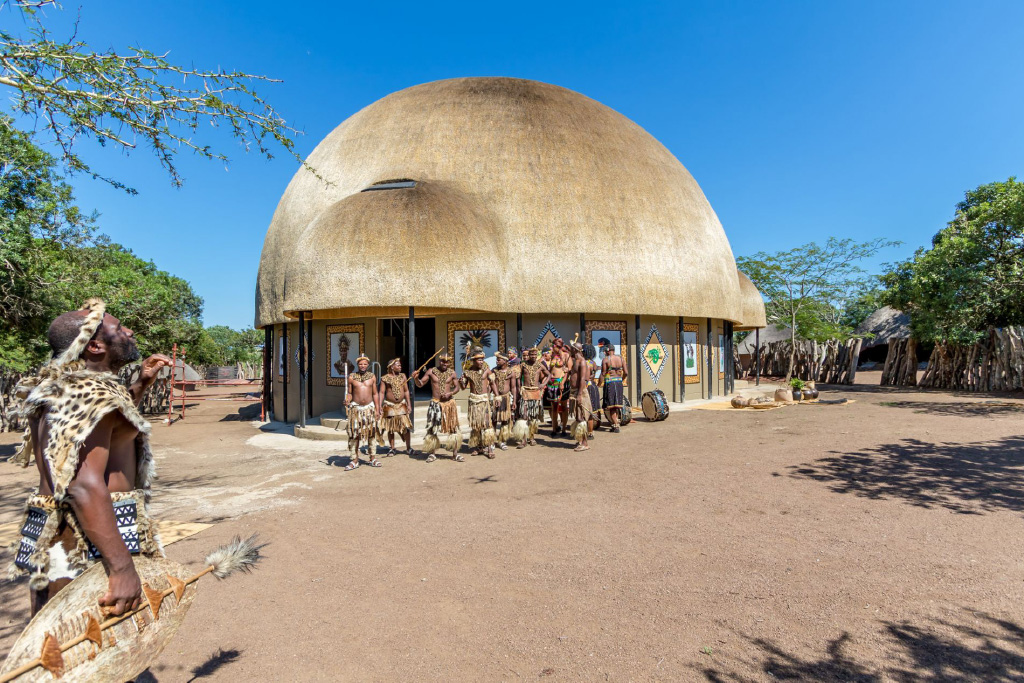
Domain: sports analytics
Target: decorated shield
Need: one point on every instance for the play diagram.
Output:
(102, 648)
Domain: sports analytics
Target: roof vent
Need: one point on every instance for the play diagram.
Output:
(393, 184)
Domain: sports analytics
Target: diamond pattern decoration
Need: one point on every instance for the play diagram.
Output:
(546, 336)
(654, 353)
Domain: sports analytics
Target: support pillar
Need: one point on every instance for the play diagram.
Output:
(639, 366)
(302, 368)
(268, 370)
(711, 362)
(519, 334)
(412, 366)
(284, 371)
(757, 357)
(309, 370)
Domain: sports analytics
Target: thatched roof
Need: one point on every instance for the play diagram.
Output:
(886, 324)
(752, 312)
(528, 198)
(769, 334)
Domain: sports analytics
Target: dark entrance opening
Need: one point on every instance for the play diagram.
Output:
(394, 341)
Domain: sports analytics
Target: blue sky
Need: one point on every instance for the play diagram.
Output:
(799, 120)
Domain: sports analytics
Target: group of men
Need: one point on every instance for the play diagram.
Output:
(505, 404)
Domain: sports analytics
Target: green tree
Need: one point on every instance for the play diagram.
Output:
(129, 98)
(221, 345)
(972, 278)
(53, 260)
(810, 287)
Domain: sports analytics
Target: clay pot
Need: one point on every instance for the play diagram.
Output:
(798, 395)
(784, 395)
(740, 402)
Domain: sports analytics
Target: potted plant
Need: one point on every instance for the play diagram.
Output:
(797, 385)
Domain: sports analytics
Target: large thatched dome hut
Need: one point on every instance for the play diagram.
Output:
(503, 211)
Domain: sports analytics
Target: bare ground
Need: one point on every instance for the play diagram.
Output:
(879, 540)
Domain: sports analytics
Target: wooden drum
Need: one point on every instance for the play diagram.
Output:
(655, 405)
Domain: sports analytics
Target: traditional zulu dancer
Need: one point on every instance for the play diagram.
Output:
(363, 414)
(579, 379)
(558, 389)
(613, 374)
(534, 375)
(589, 352)
(397, 405)
(91, 447)
(442, 414)
(480, 382)
(506, 384)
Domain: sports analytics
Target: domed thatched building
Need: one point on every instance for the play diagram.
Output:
(505, 211)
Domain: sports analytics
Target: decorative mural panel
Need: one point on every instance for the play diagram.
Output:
(601, 332)
(654, 354)
(345, 343)
(546, 336)
(489, 334)
(689, 368)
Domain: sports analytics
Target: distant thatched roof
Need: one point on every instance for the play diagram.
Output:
(886, 323)
(752, 303)
(528, 198)
(768, 334)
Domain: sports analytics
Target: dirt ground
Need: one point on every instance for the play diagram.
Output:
(879, 540)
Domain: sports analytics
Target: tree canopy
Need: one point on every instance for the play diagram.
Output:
(54, 260)
(813, 287)
(972, 277)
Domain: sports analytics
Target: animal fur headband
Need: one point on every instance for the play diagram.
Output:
(393, 361)
(94, 310)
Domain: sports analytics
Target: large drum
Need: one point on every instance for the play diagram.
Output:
(655, 405)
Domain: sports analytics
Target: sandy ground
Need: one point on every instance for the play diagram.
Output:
(879, 540)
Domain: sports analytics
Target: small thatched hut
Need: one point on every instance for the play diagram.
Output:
(503, 212)
(878, 329)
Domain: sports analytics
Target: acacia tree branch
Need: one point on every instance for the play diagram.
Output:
(125, 98)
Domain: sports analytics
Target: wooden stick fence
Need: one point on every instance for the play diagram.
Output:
(830, 362)
(996, 363)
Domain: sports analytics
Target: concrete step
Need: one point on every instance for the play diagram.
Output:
(334, 420)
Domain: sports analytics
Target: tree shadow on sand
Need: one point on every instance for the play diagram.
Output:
(989, 649)
(989, 408)
(967, 478)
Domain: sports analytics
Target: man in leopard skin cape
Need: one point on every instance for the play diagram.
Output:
(91, 447)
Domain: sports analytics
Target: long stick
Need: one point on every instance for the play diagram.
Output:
(428, 361)
(24, 669)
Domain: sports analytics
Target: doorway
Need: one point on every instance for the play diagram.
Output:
(394, 341)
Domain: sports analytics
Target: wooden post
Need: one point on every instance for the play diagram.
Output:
(711, 359)
(412, 366)
(675, 371)
(302, 369)
(309, 370)
(284, 370)
(519, 334)
(636, 372)
(757, 357)
(268, 384)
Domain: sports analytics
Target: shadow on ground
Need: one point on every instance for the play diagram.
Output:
(213, 663)
(960, 409)
(979, 648)
(968, 478)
